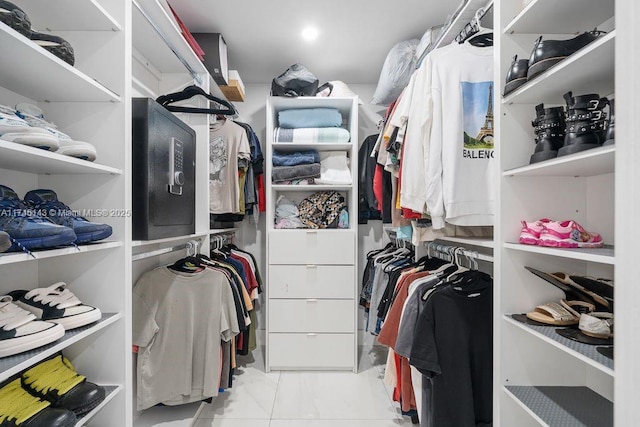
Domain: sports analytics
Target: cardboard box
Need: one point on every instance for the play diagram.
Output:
(234, 91)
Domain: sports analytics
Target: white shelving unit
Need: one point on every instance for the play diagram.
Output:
(90, 102)
(540, 377)
(312, 274)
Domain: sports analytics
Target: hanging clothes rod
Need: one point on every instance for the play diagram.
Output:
(191, 246)
(448, 252)
(219, 240)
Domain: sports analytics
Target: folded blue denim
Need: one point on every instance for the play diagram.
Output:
(281, 158)
(286, 173)
(310, 118)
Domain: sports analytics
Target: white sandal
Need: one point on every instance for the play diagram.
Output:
(560, 314)
(597, 325)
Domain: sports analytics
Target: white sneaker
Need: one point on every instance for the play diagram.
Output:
(15, 129)
(33, 115)
(20, 331)
(57, 304)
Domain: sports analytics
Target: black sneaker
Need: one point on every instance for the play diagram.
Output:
(15, 17)
(56, 45)
(56, 381)
(20, 409)
(46, 201)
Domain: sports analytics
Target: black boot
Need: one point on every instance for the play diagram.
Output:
(610, 139)
(585, 123)
(549, 127)
(517, 75)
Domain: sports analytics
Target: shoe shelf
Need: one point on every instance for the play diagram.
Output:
(12, 365)
(38, 74)
(597, 161)
(571, 16)
(34, 160)
(590, 70)
(69, 15)
(311, 187)
(158, 39)
(604, 255)
(586, 353)
(319, 146)
(111, 392)
(15, 257)
(554, 406)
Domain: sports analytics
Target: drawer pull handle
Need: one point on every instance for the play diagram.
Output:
(312, 300)
(312, 335)
(312, 232)
(312, 266)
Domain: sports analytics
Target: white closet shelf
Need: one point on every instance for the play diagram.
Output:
(141, 243)
(311, 187)
(563, 406)
(69, 15)
(603, 255)
(15, 257)
(12, 365)
(590, 70)
(572, 16)
(319, 146)
(169, 53)
(24, 73)
(597, 161)
(34, 160)
(483, 242)
(111, 392)
(584, 352)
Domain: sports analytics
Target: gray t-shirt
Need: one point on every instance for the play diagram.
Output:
(179, 320)
(229, 151)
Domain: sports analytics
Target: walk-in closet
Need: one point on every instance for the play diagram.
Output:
(342, 214)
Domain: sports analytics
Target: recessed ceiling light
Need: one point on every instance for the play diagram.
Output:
(310, 33)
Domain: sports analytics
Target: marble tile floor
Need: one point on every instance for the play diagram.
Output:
(298, 399)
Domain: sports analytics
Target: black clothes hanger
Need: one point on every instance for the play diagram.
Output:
(181, 264)
(190, 92)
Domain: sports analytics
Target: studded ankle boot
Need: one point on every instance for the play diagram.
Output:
(549, 127)
(586, 123)
(611, 129)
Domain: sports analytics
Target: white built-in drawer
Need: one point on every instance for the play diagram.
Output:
(311, 351)
(311, 315)
(312, 247)
(312, 281)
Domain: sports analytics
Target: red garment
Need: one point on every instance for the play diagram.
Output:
(262, 198)
(377, 186)
(406, 213)
(252, 282)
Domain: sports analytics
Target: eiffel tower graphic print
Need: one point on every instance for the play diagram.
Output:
(477, 100)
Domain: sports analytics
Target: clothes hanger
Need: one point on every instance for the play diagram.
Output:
(475, 34)
(190, 92)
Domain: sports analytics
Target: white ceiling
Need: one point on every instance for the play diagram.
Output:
(264, 36)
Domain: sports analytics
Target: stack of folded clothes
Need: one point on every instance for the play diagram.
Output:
(300, 167)
(311, 125)
(287, 214)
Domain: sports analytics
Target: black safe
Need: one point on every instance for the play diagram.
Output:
(164, 173)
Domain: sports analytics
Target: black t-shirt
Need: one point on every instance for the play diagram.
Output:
(452, 347)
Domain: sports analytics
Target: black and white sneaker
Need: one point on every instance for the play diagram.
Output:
(57, 304)
(20, 331)
(15, 17)
(54, 44)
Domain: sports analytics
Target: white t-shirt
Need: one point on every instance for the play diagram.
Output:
(228, 143)
(179, 320)
(460, 177)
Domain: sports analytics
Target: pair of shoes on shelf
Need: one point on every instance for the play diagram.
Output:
(545, 55)
(26, 125)
(582, 126)
(558, 234)
(42, 221)
(31, 319)
(16, 18)
(49, 394)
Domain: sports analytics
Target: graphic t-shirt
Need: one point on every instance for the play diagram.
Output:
(228, 145)
(460, 178)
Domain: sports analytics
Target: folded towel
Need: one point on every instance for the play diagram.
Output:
(334, 168)
(285, 173)
(337, 135)
(281, 158)
(310, 118)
